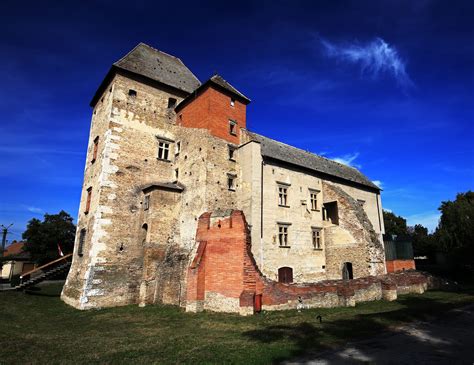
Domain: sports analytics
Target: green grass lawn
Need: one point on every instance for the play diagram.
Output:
(38, 328)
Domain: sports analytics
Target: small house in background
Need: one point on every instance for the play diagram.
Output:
(399, 254)
(19, 263)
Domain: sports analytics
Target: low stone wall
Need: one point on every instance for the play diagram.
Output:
(224, 276)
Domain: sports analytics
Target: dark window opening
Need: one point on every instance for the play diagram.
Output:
(232, 128)
(176, 174)
(232, 153)
(146, 202)
(88, 201)
(96, 148)
(132, 93)
(171, 103)
(144, 233)
(231, 182)
(82, 239)
(178, 148)
(347, 271)
(330, 213)
(285, 275)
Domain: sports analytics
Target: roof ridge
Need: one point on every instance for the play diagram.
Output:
(238, 91)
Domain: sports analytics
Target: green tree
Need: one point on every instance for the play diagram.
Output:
(455, 232)
(394, 225)
(42, 237)
(422, 241)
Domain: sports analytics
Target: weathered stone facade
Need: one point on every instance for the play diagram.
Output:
(163, 150)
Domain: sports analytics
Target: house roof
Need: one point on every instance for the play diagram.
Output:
(295, 156)
(155, 65)
(16, 250)
(220, 83)
(163, 185)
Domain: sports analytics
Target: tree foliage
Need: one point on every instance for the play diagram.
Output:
(394, 225)
(42, 237)
(455, 232)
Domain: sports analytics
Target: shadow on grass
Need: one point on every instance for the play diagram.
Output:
(310, 339)
(50, 290)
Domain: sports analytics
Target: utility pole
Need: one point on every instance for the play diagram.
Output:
(4, 236)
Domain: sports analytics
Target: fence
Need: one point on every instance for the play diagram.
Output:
(398, 250)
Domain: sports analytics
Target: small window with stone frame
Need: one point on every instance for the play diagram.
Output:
(95, 149)
(232, 150)
(232, 102)
(163, 150)
(232, 127)
(316, 235)
(231, 182)
(82, 239)
(88, 200)
(283, 195)
(313, 195)
(146, 202)
(177, 148)
(171, 103)
(283, 234)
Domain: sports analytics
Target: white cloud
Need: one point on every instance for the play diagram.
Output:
(374, 58)
(348, 159)
(35, 210)
(388, 210)
(378, 183)
(427, 219)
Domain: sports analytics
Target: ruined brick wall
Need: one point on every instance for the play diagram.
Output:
(224, 276)
(400, 265)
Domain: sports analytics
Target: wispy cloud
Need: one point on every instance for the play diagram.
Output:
(35, 210)
(375, 57)
(378, 183)
(348, 159)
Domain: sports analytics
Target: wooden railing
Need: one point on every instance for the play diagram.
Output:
(63, 258)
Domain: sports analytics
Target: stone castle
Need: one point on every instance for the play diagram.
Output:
(181, 204)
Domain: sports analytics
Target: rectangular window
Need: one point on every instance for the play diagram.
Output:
(232, 127)
(176, 174)
(88, 201)
(361, 202)
(232, 102)
(163, 150)
(82, 239)
(313, 194)
(146, 202)
(283, 196)
(232, 153)
(177, 149)
(283, 235)
(94, 151)
(132, 93)
(231, 182)
(316, 238)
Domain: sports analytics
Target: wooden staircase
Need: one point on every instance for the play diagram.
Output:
(48, 271)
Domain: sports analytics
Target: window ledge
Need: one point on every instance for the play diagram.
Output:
(233, 134)
(315, 210)
(283, 206)
(231, 189)
(317, 249)
(162, 159)
(284, 246)
(232, 159)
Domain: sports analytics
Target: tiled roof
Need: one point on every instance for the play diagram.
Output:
(295, 156)
(159, 66)
(16, 250)
(218, 80)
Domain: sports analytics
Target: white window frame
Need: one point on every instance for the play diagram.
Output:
(283, 233)
(317, 238)
(314, 202)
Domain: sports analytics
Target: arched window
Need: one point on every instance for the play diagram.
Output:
(144, 233)
(285, 275)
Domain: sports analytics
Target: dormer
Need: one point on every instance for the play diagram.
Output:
(217, 106)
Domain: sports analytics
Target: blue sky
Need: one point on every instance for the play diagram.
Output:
(386, 86)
